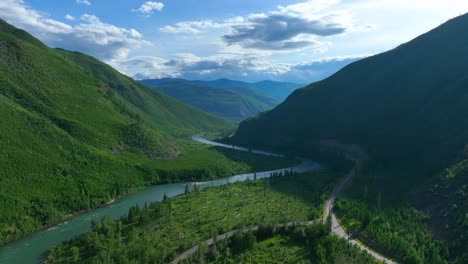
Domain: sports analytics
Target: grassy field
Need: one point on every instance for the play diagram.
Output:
(165, 229)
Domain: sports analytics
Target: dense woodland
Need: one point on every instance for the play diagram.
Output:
(76, 133)
(163, 230)
(72, 193)
(279, 244)
(448, 194)
(375, 210)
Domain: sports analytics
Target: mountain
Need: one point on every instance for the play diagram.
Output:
(276, 90)
(236, 103)
(75, 133)
(406, 107)
(407, 103)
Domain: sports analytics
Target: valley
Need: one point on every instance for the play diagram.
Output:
(229, 99)
(32, 248)
(197, 141)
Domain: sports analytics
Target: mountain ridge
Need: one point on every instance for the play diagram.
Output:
(236, 103)
(76, 133)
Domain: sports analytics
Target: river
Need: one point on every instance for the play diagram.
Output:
(31, 249)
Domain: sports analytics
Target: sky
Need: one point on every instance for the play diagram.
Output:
(284, 40)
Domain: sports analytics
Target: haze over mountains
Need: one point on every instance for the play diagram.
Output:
(230, 99)
(277, 90)
(406, 107)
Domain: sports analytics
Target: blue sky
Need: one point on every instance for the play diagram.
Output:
(286, 40)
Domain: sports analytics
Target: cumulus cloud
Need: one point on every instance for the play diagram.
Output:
(90, 35)
(289, 28)
(315, 70)
(192, 26)
(149, 7)
(309, 7)
(83, 2)
(281, 27)
(70, 17)
(248, 67)
(293, 27)
(189, 66)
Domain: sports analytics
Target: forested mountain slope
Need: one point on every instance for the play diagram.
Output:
(235, 103)
(407, 108)
(408, 104)
(74, 132)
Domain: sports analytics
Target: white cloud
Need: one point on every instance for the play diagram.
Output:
(70, 17)
(254, 45)
(309, 7)
(20, 15)
(192, 26)
(190, 66)
(248, 67)
(149, 7)
(92, 36)
(83, 2)
(292, 27)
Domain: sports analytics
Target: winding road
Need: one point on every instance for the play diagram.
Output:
(336, 228)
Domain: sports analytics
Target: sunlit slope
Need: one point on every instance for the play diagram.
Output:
(74, 132)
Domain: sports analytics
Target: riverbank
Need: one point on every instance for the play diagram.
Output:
(196, 165)
(29, 249)
(163, 229)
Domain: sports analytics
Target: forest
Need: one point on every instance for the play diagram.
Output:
(381, 218)
(280, 244)
(65, 192)
(161, 231)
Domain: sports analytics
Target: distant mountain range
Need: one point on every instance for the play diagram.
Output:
(231, 99)
(277, 90)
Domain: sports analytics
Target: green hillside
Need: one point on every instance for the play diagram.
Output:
(236, 103)
(406, 107)
(75, 133)
(162, 111)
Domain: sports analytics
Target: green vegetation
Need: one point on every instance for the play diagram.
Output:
(132, 98)
(75, 133)
(406, 108)
(293, 245)
(163, 230)
(236, 104)
(374, 209)
(448, 206)
(277, 249)
(202, 162)
(396, 232)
